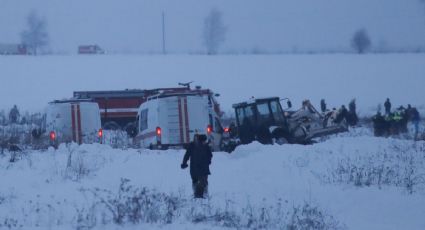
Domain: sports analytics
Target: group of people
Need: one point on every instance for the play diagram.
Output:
(394, 122)
(350, 115)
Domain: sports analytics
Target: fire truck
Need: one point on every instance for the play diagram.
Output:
(90, 49)
(119, 108)
(13, 49)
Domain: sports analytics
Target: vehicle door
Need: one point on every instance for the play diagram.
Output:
(246, 123)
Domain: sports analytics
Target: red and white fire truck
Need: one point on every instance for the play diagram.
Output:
(13, 49)
(118, 109)
(90, 49)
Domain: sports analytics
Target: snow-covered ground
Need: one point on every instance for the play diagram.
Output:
(31, 82)
(355, 180)
(351, 180)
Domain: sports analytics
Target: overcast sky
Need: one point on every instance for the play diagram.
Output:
(272, 25)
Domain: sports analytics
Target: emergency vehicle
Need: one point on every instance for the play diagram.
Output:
(118, 108)
(90, 49)
(13, 49)
(73, 121)
(170, 120)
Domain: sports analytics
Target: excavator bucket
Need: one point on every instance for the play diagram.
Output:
(327, 131)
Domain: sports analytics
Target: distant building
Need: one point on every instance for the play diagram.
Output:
(13, 49)
(90, 49)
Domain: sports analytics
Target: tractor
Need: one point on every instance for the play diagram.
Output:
(265, 121)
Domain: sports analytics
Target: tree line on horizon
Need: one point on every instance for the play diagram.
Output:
(36, 37)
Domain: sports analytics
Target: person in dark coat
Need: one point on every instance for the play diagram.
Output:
(395, 122)
(409, 111)
(200, 155)
(233, 130)
(342, 114)
(387, 106)
(323, 105)
(380, 125)
(404, 119)
(415, 118)
(352, 117)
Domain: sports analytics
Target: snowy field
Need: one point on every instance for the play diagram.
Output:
(31, 82)
(347, 181)
(350, 181)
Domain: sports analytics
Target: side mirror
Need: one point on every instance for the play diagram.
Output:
(289, 103)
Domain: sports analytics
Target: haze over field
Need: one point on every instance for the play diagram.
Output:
(253, 26)
(31, 82)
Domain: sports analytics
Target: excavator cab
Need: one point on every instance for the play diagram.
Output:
(258, 119)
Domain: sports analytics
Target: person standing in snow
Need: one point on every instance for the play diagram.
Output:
(409, 111)
(415, 118)
(387, 106)
(323, 105)
(404, 119)
(379, 125)
(353, 119)
(342, 114)
(395, 122)
(200, 155)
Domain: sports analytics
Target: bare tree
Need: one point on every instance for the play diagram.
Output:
(361, 41)
(14, 115)
(214, 33)
(35, 36)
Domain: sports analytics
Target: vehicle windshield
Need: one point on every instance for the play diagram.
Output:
(245, 115)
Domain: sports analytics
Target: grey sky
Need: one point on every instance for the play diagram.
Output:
(272, 25)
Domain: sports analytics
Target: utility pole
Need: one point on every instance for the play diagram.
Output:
(163, 33)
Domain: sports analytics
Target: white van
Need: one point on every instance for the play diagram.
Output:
(73, 121)
(166, 121)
